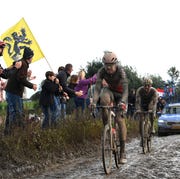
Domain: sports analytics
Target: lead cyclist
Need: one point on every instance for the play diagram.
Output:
(114, 92)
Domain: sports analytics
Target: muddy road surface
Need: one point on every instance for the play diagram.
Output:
(162, 163)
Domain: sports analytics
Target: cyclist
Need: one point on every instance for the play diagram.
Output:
(146, 100)
(114, 92)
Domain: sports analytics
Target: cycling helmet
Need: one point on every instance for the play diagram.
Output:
(109, 57)
(147, 81)
(2, 44)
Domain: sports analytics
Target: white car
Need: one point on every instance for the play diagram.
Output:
(169, 121)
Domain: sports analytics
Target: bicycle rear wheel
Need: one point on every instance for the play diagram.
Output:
(107, 149)
(116, 146)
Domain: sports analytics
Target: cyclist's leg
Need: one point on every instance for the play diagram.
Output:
(106, 98)
(122, 136)
(140, 118)
(120, 117)
(152, 118)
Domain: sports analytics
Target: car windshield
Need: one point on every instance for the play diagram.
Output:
(172, 110)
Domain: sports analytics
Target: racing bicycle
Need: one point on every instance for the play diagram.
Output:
(145, 130)
(110, 140)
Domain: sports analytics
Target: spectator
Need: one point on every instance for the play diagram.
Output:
(29, 78)
(72, 82)
(160, 106)
(60, 68)
(131, 103)
(15, 88)
(47, 101)
(61, 100)
(63, 76)
(83, 84)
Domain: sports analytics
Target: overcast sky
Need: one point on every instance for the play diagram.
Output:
(144, 34)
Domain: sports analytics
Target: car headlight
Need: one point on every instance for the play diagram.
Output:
(161, 121)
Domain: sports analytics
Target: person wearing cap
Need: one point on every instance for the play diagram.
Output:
(114, 92)
(14, 90)
(146, 100)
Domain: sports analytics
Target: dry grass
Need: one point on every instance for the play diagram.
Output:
(32, 145)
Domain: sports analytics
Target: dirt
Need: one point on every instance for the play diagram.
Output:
(162, 163)
(85, 162)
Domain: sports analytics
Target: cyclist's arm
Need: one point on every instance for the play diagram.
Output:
(125, 87)
(138, 100)
(153, 103)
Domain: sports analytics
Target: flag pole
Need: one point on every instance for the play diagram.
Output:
(48, 63)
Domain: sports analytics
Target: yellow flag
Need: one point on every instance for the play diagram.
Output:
(17, 38)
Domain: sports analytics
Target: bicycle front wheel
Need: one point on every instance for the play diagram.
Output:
(107, 149)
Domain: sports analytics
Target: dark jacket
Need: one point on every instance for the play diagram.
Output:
(49, 89)
(62, 76)
(18, 80)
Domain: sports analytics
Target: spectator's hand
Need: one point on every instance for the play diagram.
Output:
(60, 88)
(122, 106)
(79, 93)
(66, 95)
(56, 80)
(34, 87)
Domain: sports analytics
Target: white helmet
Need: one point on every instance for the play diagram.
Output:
(109, 57)
(147, 81)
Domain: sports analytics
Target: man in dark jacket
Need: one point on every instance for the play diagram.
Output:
(63, 76)
(15, 88)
